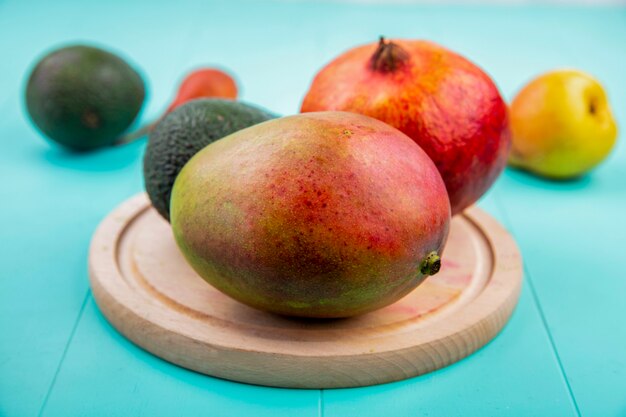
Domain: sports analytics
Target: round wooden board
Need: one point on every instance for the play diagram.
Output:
(145, 288)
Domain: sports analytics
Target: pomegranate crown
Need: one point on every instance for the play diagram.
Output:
(388, 57)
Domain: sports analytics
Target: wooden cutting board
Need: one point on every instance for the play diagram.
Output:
(145, 288)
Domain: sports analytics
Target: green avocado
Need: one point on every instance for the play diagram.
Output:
(83, 97)
(184, 132)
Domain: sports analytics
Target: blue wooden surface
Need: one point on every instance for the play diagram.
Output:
(562, 354)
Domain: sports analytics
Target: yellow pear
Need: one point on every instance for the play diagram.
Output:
(561, 125)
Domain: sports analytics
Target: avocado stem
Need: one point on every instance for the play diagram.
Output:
(136, 134)
(431, 264)
(388, 57)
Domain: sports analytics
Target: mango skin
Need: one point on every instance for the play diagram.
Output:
(317, 215)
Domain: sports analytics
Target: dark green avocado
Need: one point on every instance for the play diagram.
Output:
(184, 132)
(83, 97)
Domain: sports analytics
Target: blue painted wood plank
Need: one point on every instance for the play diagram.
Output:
(109, 376)
(574, 240)
(52, 202)
(573, 234)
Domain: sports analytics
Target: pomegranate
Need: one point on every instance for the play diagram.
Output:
(442, 101)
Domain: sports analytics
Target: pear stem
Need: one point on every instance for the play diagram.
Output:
(388, 57)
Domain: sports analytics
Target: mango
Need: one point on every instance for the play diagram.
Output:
(325, 215)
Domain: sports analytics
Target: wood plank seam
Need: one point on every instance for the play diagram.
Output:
(64, 353)
(535, 297)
